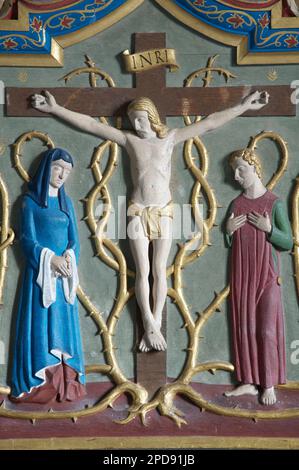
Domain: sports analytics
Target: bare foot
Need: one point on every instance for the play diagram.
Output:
(268, 396)
(156, 340)
(144, 345)
(246, 389)
(152, 338)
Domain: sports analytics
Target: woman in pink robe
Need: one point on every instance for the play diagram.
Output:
(257, 228)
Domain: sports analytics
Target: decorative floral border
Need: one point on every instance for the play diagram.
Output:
(45, 25)
(40, 35)
(254, 24)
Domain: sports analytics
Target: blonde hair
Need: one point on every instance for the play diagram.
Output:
(146, 104)
(250, 157)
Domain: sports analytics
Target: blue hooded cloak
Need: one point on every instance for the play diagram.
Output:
(45, 335)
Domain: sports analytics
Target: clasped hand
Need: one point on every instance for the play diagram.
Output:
(261, 222)
(61, 265)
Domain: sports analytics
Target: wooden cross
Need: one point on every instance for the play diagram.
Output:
(170, 101)
(173, 101)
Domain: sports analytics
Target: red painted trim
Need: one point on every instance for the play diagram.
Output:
(46, 4)
(250, 5)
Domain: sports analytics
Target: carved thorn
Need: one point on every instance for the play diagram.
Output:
(187, 349)
(202, 410)
(201, 337)
(212, 371)
(51, 410)
(185, 325)
(33, 421)
(110, 405)
(104, 350)
(2, 404)
(85, 218)
(216, 293)
(218, 309)
(254, 420)
(199, 314)
(89, 62)
(174, 301)
(219, 206)
(215, 225)
(180, 245)
(295, 275)
(209, 244)
(87, 406)
(74, 419)
(98, 254)
(114, 348)
(83, 199)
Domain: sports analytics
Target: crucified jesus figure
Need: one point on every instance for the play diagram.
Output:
(150, 149)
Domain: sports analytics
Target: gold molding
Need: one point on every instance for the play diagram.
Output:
(55, 58)
(243, 56)
(149, 442)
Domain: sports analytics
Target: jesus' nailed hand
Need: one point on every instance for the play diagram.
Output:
(149, 149)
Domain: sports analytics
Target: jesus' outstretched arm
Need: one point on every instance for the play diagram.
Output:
(47, 104)
(254, 101)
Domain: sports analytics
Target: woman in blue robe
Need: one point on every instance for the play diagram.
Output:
(48, 357)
